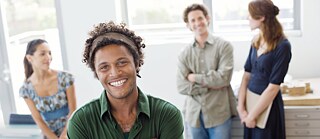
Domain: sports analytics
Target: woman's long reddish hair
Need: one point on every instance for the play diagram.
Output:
(271, 29)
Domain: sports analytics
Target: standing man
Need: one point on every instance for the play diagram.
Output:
(123, 111)
(204, 74)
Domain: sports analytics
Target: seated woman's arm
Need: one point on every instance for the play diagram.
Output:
(38, 119)
(72, 107)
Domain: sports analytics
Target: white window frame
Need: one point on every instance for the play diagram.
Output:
(183, 35)
(7, 99)
(6, 91)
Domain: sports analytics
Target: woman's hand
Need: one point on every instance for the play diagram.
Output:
(242, 113)
(250, 122)
(52, 137)
(63, 135)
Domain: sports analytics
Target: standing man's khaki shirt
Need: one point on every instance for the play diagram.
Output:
(212, 93)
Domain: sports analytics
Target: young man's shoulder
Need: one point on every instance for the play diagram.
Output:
(160, 104)
(91, 108)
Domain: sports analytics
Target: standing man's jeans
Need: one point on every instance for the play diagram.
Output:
(222, 131)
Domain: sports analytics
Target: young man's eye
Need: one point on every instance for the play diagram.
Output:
(103, 68)
(122, 63)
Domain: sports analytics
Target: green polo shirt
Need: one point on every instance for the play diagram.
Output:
(156, 118)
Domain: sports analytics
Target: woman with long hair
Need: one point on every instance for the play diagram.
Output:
(49, 93)
(265, 69)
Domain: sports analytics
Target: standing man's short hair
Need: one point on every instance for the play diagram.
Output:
(194, 7)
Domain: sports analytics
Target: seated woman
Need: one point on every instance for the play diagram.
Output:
(49, 93)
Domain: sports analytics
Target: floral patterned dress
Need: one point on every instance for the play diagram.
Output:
(53, 109)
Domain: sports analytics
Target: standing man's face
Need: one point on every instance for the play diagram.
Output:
(116, 70)
(197, 22)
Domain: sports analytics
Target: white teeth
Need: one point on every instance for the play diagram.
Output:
(117, 83)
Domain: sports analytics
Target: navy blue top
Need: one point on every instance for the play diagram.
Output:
(269, 68)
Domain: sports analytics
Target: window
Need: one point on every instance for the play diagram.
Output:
(162, 19)
(23, 21)
(1, 117)
(163, 12)
(156, 18)
(230, 17)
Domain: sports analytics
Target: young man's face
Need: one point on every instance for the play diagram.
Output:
(197, 22)
(116, 70)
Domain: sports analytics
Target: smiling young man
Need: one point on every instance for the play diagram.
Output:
(114, 54)
(204, 73)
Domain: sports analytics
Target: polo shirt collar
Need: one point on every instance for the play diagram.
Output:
(143, 104)
(104, 105)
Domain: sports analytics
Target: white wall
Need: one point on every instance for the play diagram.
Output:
(306, 48)
(158, 72)
(78, 17)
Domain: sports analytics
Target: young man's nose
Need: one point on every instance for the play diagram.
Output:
(114, 71)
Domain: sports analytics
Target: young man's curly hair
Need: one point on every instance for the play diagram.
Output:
(110, 27)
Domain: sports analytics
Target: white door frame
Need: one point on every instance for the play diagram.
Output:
(7, 101)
